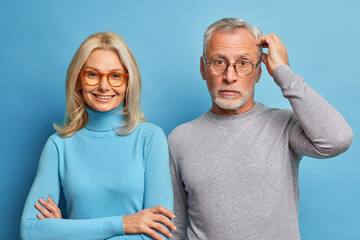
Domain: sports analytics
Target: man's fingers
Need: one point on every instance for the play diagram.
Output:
(264, 58)
(166, 221)
(269, 39)
(262, 41)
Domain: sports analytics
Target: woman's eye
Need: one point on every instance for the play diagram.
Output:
(92, 74)
(116, 76)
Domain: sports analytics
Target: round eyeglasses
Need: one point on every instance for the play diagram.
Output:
(93, 78)
(243, 67)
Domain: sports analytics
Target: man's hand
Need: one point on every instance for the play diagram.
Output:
(277, 53)
(48, 209)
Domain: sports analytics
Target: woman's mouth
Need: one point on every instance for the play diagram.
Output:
(103, 98)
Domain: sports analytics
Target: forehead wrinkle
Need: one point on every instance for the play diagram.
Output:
(236, 44)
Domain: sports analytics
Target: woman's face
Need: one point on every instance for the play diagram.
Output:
(103, 97)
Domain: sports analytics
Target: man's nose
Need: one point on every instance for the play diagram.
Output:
(231, 75)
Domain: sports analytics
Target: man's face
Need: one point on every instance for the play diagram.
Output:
(230, 93)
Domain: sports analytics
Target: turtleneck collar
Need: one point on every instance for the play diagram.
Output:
(104, 121)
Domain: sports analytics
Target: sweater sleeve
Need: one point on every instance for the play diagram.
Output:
(47, 183)
(317, 129)
(180, 199)
(158, 186)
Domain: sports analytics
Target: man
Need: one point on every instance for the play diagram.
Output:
(235, 168)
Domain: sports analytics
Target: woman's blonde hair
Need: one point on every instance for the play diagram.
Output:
(76, 117)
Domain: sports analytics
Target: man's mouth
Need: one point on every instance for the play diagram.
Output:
(229, 92)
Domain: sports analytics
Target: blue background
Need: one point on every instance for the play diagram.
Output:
(39, 38)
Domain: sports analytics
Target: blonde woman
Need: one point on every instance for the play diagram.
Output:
(111, 164)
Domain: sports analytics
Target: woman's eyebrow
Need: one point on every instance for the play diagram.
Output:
(111, 70)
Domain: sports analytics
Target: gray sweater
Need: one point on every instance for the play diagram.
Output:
(236, 177)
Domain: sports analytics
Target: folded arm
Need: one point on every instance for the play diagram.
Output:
(47, 184)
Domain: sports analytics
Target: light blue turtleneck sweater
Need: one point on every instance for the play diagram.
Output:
(104, 176)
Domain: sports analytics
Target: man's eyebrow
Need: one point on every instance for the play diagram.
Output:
(239, 56)
(218, 56)
(243, 55)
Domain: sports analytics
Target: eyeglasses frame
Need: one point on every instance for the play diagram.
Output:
(125, 75)
(233, 65)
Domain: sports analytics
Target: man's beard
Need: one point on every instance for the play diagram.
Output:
(226, 102)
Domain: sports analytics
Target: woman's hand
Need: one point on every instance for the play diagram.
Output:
(48, 209)
(148, 220)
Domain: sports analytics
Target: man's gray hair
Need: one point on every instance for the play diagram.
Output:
(229, 25)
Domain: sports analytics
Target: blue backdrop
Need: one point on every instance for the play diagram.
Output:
(39, 38)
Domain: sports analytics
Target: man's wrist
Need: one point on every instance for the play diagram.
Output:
(279, 67)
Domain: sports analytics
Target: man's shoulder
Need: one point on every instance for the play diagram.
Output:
(273, 111)
(186, 130)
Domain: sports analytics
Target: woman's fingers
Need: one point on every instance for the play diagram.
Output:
(40, 216)
(45, 212)
(149, 220)
(162, 210)
(47, 205)
(51, 201)
(166, 221)
(161, 229)
(48, 209)
(151, 233)
(54, 208)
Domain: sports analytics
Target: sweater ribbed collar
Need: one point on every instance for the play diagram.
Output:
(104, 121)
(222, 118)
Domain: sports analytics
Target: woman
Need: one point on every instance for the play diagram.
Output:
(111, 164)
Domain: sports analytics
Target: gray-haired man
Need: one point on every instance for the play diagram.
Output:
(235, 168)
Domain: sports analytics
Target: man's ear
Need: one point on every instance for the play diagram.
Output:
(259, 74)
(202, 68)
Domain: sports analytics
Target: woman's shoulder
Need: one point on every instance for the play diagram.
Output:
(57, 139)
(149, 129)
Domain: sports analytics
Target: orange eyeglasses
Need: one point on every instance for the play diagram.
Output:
(93, 78)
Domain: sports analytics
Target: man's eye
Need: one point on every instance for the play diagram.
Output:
(243, 62)
(219, 62)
